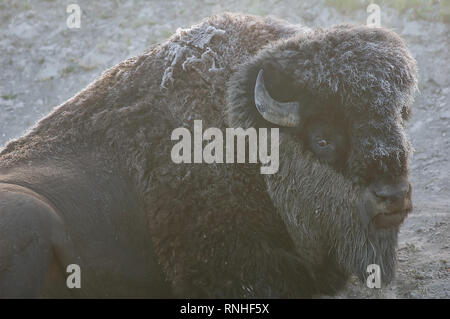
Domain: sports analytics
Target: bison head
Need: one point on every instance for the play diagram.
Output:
(342, 205)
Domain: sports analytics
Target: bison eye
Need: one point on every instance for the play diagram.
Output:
(322, 143)
(327, 140)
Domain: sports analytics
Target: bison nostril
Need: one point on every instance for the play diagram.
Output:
(392, 191)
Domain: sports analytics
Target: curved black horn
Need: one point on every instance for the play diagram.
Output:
(280, 113)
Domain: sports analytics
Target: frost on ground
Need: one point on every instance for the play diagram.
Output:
(44, 63)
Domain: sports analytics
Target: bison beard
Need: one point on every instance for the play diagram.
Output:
(97, 171)
(335, 206)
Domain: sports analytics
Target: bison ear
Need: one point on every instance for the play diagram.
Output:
(280, 113)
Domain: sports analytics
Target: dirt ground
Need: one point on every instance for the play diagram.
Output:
(43, 63)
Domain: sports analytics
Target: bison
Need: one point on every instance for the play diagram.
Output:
(93, 183)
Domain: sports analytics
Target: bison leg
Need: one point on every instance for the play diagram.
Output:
(26, 230)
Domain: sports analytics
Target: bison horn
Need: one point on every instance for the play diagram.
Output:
(280, 113)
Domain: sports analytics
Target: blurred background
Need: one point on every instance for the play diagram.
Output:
(43, 63)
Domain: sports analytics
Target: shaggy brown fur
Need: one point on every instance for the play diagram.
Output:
(103, 160)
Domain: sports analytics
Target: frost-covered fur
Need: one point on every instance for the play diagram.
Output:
(225, 230)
